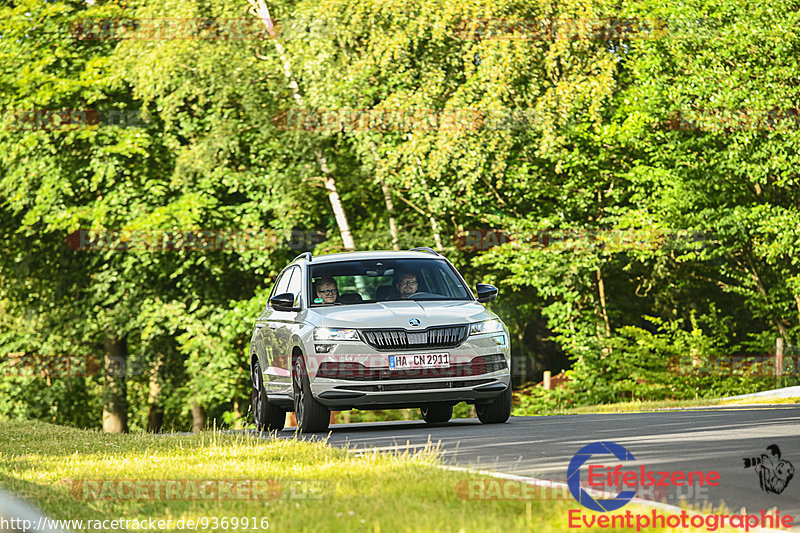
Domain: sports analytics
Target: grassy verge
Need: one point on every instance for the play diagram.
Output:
(78, 474)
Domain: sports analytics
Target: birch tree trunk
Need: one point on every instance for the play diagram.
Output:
(601, 289)
(259, 9)
(437, 237)
(387, 199)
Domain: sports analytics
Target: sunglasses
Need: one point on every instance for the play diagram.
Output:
(327, 291)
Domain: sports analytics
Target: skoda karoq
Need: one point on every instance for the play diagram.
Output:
(377, 330)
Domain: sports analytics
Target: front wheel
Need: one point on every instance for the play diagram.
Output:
(312, 416)
(265, 415)
(496, 412)
(437, 414)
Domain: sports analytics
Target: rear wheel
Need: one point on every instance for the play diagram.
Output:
(497, 411)
(265, 415)
(437, 413)
(312, 416)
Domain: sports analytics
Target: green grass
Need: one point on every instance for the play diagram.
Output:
(44, 464)
(364, 492)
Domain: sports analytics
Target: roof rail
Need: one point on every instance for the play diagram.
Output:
(426, 249)
(304, 255)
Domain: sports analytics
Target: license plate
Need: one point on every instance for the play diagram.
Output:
(428, 360)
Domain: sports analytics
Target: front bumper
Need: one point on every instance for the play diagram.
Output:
(354, 375)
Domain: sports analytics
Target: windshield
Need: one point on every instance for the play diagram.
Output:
(385, 280)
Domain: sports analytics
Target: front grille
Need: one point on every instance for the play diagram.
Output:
(390, 387)
(353, 371)
(400, 339)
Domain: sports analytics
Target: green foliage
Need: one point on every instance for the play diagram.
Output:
(666, 155)
(671, 364)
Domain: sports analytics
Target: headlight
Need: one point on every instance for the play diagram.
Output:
(335, 334)
(487, 326)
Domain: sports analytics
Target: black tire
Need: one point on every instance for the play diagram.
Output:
(437, 413)
(496, 412)
(312, 416)
(265, 415)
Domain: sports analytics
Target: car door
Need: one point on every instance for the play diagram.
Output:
(282, 325)
(266, 340)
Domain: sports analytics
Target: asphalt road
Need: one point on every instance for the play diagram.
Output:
(704, 440)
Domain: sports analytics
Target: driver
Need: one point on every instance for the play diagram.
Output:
(406, 284)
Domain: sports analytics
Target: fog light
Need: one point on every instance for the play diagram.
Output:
(323, 348)
(500, 340)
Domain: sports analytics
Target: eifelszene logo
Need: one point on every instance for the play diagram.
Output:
(612, 476)
(773, 472)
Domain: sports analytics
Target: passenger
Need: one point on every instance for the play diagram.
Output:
(327, 291)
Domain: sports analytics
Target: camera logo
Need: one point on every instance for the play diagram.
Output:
(773, 472)
(574, 476)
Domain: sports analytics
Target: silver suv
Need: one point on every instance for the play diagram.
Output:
(377, 330)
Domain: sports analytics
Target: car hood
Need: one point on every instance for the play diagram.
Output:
(396, 314)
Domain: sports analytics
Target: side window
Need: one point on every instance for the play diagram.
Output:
(295, 284)
(275, 287)
(283, 283)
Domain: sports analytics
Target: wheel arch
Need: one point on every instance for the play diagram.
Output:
(254, 360)
(297, 351)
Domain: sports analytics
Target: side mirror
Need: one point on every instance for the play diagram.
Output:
(486, 292)
(283, 302)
